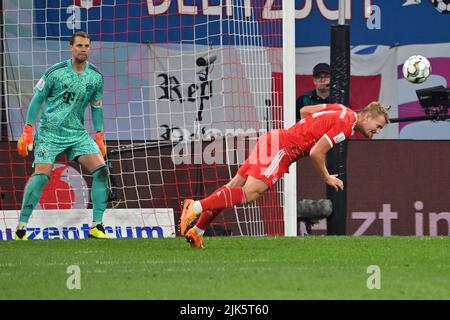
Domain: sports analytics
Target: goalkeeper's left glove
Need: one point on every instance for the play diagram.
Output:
(26, 140)
(100, 142)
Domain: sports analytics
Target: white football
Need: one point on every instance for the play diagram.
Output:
(443, 6)
(416, 69)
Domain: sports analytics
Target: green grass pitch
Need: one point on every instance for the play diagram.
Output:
(279, 268)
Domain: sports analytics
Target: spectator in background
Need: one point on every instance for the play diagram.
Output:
(321, 94)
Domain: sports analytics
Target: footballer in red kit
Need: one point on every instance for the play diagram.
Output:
(278, 149)
(320, 128)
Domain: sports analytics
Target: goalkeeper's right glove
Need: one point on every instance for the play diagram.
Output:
(26, 140)
(100, 142)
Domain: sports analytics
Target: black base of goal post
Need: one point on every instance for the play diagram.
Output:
(337, 156)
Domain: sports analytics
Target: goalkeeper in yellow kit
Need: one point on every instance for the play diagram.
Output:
(66, 88)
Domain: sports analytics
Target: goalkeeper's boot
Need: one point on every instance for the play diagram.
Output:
(21, 235)
(188, 216)
(194, 238)
(98, 232)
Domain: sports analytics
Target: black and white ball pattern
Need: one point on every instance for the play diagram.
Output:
(443, 6)
(416, 69)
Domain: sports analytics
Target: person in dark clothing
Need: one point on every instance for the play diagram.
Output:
(321, 94)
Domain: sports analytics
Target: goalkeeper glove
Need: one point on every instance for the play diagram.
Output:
(100, 142)
(26, 140)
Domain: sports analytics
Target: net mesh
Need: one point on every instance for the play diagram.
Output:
(188, 89)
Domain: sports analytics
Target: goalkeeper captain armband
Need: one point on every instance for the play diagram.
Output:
(26, 140)
(100, 142)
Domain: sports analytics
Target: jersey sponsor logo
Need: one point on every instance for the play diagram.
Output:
(339, 137)
(40, 85)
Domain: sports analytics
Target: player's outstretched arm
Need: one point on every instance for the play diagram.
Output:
(318, 155)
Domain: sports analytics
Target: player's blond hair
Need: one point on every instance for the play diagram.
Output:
(377, 108)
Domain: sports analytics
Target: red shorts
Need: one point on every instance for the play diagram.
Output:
(268, 161)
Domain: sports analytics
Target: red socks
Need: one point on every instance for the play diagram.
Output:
(206, 218)
(224, 197)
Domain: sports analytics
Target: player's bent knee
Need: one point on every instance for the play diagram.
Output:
(40, 179)
(100, 173)
(251, 196)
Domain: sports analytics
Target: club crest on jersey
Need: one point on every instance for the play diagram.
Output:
(339, 138)
(40, 85)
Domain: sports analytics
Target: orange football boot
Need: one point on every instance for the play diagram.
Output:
(188, 216)
(194, 238)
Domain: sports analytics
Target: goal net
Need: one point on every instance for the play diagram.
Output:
(189, 87)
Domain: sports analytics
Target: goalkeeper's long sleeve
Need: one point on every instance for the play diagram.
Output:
(33, 109)
(97, 117)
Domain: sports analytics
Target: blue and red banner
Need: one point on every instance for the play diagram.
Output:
(392, 23)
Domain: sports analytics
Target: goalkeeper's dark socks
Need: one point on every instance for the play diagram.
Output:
(206, 218)
(225, 197)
